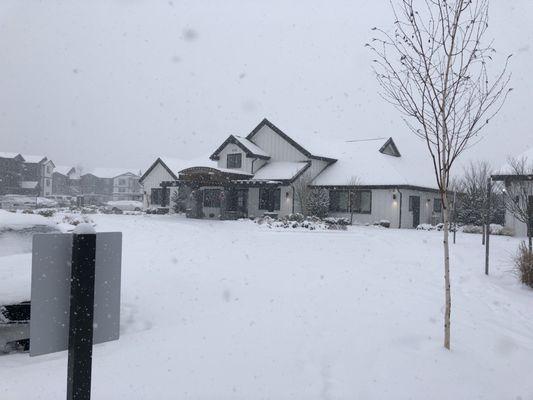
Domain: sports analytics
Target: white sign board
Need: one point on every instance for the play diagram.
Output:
(50, 290)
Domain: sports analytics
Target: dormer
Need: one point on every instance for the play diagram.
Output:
(390, 148)
(239, 153)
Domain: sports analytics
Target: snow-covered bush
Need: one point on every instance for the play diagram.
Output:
(384, 223)
(495, 229)
(524, 265)
(298, 221)
(337, 221)
(46, 213)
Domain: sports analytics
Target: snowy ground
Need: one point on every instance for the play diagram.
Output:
(232, 310)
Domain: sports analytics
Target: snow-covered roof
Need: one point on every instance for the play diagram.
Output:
(280, 170)
(28, 184)
(111, 172)
(526, 155)
(63, 169)
(6, 154)
(362, 163)
(176, 164)
(34, 159)
(252, 147)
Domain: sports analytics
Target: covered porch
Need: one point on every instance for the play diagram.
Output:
(214, 193)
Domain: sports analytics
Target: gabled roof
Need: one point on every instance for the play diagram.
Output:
(526, 156)
(249, 148)
(299, 147)
(34, 159)
(281, 171)
(361, 163)
(110, 172)
(390, 148)
(175, 165)
(63, 169)
(11, 155)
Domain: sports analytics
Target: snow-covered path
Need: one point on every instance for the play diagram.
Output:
(231, 310)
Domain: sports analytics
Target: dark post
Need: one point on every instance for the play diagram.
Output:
(530, 222)
(80, 343)
(487, 229)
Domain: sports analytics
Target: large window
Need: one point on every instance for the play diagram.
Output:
(234, 160)
(269, 199)
(358, 201)
(156, 196)
(338, 200)
(362, 201)
(212, 198)
(437, 205)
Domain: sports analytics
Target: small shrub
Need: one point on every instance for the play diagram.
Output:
(524, 265)
(27, 211)
(472, 229)
(46, 213)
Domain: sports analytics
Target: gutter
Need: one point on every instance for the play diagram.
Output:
(400, 217)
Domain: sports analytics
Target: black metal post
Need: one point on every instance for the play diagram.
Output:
(487, 228)
(80, 343)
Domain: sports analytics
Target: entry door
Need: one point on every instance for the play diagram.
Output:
(414, 207)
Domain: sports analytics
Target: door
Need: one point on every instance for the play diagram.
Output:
(414, 207)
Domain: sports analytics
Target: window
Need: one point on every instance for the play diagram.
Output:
(212, 198)
(234, 160)
(269, 199)
(48, 169)
(122, 190)
(47, 182)
(338, 200)
(437, 205)
(156, 196)
(361, 201)
(122, 182)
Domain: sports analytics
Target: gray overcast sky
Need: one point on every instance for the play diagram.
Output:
(115, 83)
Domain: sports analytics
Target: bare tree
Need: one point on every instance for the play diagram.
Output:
(353, 183)
(518, 192)
(302, 190)
(433, 68)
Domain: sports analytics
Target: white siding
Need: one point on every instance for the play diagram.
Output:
(285, 202)
(385, 207)
(153, 180)
(518, 227)
(276, 147)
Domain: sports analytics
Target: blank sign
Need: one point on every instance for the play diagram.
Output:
(50, 290)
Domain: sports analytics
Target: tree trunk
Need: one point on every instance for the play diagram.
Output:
(448, 299)
(530, 243)
(483, 234)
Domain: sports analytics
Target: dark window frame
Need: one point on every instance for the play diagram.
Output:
(354, 198)
(334, 203)
(269, 199)
(211, 198)
(437, 205)
(234, 160)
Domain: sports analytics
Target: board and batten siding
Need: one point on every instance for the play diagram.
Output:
(277, 147)
(153, 180)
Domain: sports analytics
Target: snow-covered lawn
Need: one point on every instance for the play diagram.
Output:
(233, 310)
